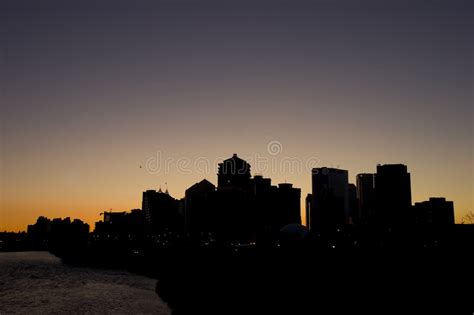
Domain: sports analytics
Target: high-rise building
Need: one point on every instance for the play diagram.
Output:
(353, 204)
(274, 207)
(234, 201)
(435, 211)
(288, 205)
(393, 195)
(263, 204)
(240, 210)
(330, 206)
(200, 216)
(253, 208)
(161, 212)
(366, 197)
(234, 173)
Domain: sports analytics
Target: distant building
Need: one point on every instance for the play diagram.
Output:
(182, 212)
(365, 197)
(264, 205)
(354, 216)
(234, 172)
(393, 195)
(234, 201)
(200, 216)
(60, 236)
(435, 211)
(115, 218)
(68, 237)
(161, 212)
(124, 226)
(241, 209)
(330, 206)
(274, 206)
(308, 204)
(39, 232)
(288, 200)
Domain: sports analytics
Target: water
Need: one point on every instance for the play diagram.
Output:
(38, 283)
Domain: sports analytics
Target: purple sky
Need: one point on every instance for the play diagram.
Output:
(92, 89)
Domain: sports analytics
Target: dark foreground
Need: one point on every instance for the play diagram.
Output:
(295, 282)
(351, 271)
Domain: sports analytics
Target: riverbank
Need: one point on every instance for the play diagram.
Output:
(39, 283)
(352, 270)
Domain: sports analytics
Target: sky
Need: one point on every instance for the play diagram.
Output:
(101, 100)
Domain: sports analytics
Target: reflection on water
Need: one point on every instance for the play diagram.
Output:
(37, 282)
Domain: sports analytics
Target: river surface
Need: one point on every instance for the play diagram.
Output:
(39, 283)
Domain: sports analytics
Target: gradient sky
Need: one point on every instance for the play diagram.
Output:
(92, 90)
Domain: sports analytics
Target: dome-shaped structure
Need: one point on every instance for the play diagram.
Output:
(234, 172)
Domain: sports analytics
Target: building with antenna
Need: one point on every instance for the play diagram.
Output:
(161, 212)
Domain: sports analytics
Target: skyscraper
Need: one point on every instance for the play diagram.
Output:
(353, 204)
(275, 207)
(161, 212)
(250, 208)
(234, 201)
(330, 206)
(288, 204)
(200, 216)
(234, 173)
(393, 195)
(366, 197)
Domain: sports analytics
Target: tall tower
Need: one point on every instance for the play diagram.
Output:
(234, 173)
(393, 195)
(233, 201)
(330, 206)
(161, 212)
(366, 197)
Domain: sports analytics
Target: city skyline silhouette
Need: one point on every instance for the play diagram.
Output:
(240, 243)
(236, 156)
(233, 167)
(92, 91)
(381, 199)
